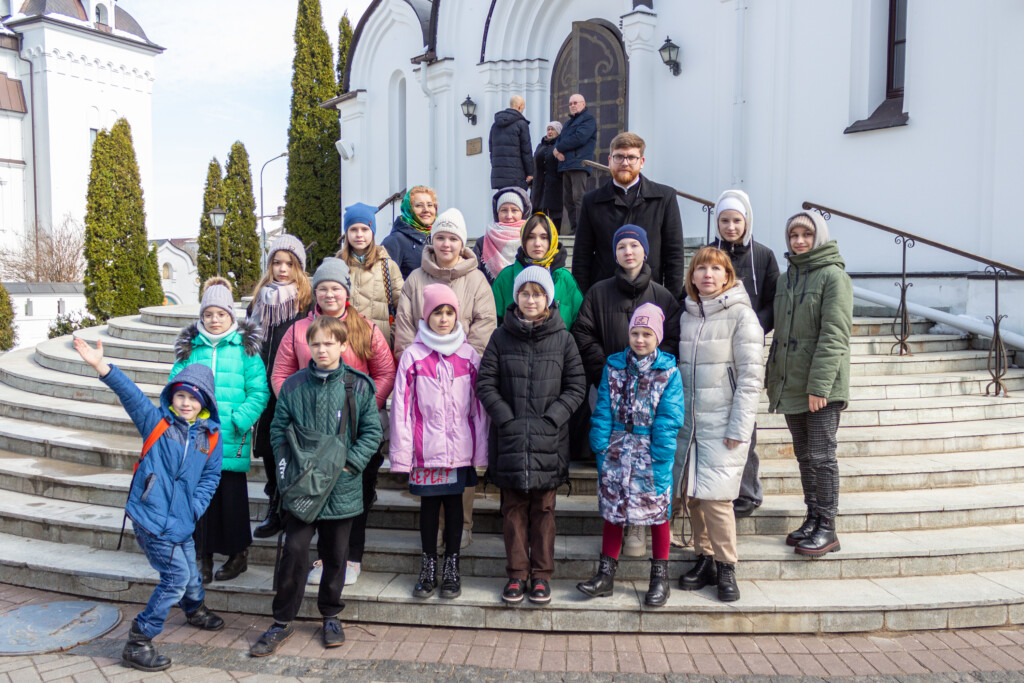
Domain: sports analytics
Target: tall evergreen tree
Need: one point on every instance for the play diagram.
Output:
(152, 287)
(213, 196)
(238, 239)
(8, 332)
(115, 226)
(344, 45)
(312, 200)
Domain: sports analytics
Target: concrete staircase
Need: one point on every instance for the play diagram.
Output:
(932, 506)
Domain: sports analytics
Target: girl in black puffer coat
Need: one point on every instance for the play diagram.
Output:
(531, 381)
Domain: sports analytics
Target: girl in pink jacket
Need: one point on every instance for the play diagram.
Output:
(438, 431)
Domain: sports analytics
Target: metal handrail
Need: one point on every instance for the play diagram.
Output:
(707, 206)
(997, 356)
(390, 200)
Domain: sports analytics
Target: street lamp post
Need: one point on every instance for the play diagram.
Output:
(263, 230)
(217, 220)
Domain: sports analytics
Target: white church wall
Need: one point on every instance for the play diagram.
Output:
(179, 276)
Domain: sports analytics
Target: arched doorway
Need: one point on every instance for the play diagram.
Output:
(592, 62)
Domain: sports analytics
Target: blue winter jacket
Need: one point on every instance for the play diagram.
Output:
(177, 478)
(405, 246)
(577, 142)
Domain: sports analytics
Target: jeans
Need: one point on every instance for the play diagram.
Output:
(179, 580)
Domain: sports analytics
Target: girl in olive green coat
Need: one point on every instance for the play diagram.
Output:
(232, 350)
(808, 373)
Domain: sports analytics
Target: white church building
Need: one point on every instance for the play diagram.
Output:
(68, 68)
(901, 112)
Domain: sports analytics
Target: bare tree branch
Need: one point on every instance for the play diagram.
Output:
(57, 257)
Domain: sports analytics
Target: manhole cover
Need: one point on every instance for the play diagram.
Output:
(54, 626)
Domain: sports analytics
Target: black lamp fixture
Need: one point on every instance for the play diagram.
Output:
(217, 220)
(469, 109)
(670, 55)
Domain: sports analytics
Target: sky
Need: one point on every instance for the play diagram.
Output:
(225, 76)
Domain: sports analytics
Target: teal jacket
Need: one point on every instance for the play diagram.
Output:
(567, 292)
(240, 381)
(316, 403)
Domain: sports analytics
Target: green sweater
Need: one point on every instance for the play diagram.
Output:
(567, 292)
(810, 354)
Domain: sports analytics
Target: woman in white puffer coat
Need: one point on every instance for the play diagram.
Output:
(722, 367)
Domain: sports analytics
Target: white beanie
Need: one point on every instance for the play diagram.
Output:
(452, 222)
(511, 198)
(730, 203)
(539, 275)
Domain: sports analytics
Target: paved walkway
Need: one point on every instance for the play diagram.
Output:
(377, 652)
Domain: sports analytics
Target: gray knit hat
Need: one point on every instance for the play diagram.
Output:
(539, 275)
(288, 243)
(333, 270)
(217, 292)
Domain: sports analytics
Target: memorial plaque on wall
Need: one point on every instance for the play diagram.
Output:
(474, 146)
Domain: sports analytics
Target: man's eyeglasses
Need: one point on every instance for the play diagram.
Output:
(623, 159)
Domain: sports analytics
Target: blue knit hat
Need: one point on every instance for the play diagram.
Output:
(361, 213)
(630, 231)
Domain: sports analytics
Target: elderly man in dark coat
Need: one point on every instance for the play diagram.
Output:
(511, 151)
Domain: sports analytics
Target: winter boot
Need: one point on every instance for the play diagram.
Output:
(603, 582)
(821, 541)
(451, 582)
(702, 574)
(205, 563)
(203, 618)
(805, 530)
(235, 565)
(140, 653)
(728, 591)
(427, 583)
(659, 589)
(271, 525)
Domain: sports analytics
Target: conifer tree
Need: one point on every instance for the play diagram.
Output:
(239, 243)
(344, 45)
(312, 200)
(8, 333)
(213, 196)
(152, 288)
(115, 226)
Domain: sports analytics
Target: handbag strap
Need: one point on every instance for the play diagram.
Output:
(387, 286)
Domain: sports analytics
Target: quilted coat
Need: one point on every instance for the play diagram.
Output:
(510, 148)
(316, 404)
(241, 384)
(722, 363)
(633, 436)
(178, 477)
(436, 418)
(531, 380)
(368, 293)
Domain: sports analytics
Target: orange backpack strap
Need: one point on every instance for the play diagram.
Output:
(213, 438)
(153, 437)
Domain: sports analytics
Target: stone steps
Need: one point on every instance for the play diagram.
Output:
(975, 599)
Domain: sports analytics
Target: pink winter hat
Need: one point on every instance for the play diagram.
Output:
(651, 317)
(436, 295)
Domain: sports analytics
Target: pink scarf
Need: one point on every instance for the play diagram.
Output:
(500, 246)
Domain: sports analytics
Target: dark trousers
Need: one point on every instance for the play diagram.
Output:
(430, 514)
(814, 443)
(750, 484)
(573, 189)
(357, 540)
(528, 524)
(293, 571)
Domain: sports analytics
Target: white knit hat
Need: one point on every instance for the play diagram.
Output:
(511, 198)
(539, 275)
(452, 222)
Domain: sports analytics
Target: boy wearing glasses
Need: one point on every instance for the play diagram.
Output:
(629, 198)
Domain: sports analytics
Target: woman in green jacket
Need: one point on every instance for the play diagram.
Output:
(540, 247)
(232, 350)
(808, 374)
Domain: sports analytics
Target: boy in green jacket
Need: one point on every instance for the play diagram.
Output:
(808, 374)
(313, 400)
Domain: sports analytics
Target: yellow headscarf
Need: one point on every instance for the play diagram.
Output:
(549, 256)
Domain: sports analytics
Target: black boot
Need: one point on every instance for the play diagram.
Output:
(235, 565)
(451, 582)
(203, 618)
(728, 591)
(205, 563)
(659, 589)
(140, 653)
(821, 541)
(270, 526)
(427, 583)
(701, 574)
(805, 530)
(603, 582)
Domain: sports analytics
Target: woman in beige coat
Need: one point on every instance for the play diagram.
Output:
(722, 366)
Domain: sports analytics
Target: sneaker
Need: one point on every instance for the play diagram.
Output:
(271, 640)
(513, 593)
(467, 538)
(332, 634)
(635, 542)
(540, 592)
(315, 573)
(352, 572)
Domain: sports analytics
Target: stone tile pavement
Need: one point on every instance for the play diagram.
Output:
(378, 652)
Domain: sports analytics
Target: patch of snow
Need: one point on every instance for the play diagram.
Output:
(943, 328)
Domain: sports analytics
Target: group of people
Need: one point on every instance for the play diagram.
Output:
(501, 357)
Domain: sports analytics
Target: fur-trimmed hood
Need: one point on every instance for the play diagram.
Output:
(248, 335)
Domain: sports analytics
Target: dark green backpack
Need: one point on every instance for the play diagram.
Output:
(306, 479)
